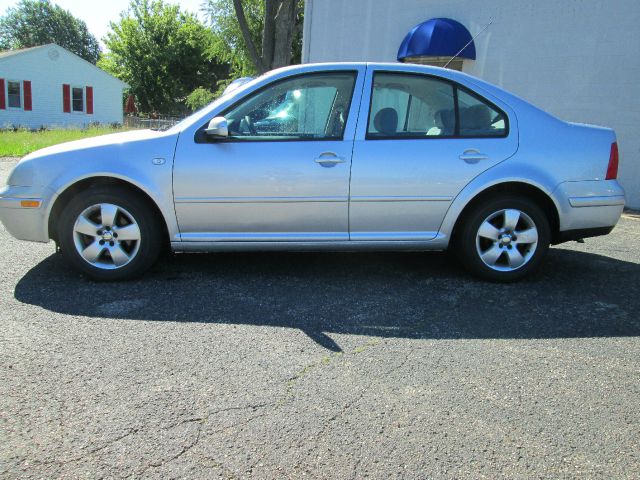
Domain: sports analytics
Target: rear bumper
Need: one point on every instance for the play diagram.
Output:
(610, 201)
(23, 223)
(581, 233)
(588, 208)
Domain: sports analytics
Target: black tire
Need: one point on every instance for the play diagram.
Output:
(147, 248)
(465, 240)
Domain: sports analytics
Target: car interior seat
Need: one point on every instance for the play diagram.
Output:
(386, 121)
(475, 120)
(445, 121)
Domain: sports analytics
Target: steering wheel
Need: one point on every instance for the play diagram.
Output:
(249, 124)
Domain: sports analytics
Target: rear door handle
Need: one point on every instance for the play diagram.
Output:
(329, 159)
(473, 156)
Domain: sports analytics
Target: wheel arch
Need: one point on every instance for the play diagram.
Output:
(86, 183)
(515, 187)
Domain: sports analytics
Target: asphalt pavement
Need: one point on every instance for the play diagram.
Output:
(321, 365)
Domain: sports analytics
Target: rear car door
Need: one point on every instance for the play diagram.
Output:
(421, 141)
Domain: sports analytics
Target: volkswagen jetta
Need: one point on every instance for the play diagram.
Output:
(328, 156)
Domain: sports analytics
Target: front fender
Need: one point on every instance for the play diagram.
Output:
(159, 193)
(134, 163)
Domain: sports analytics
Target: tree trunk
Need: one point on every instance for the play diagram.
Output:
(268, 31)
(246, 35)
(284, 28)
(277, 34)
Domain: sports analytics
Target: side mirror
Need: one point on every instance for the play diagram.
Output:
(218, 128)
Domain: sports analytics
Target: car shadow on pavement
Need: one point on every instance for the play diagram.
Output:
(411, 295)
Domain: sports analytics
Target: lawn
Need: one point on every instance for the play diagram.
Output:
(22, 142)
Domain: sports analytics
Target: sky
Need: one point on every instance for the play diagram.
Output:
(98, 14)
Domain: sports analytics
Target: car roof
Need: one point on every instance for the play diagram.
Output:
(463, 78)
(391, 66)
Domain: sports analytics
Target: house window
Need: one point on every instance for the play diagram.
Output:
(13, 92)
(77, 99)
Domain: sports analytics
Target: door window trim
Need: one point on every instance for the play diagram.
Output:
(456, 86)
(201, 137)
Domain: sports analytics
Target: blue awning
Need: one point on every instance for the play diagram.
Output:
(438, 37)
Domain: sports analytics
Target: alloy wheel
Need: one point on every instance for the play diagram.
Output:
(106, 236)
(507, 240)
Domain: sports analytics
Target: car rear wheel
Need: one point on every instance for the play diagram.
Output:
(109, 234)
(503, 239)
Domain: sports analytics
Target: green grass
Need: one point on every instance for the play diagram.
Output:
(22, 142)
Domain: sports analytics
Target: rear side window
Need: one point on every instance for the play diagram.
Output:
(421, 107)
(411, 106)
(478, 119)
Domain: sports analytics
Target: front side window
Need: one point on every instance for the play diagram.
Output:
(77, 99)
(13, 94)
(421, 106)
(308, 107)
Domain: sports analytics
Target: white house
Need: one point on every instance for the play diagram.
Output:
(50, 86)
(577, 59)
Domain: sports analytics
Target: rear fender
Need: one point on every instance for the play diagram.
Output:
(511, 171)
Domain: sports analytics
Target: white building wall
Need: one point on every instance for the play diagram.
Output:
(577, 59)
(47, 75)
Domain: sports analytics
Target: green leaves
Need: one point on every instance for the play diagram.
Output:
(38, 22)
(163, 54)
(274, 29)
(200, 97)
(229, 44)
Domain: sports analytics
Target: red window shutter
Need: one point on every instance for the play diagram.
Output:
(3, 103)
(89, 94)
(27, 94)
(66, 98)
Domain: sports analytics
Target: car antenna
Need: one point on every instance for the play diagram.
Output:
(468, 43)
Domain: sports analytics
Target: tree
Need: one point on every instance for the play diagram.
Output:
(258, 35)
(163, 54)
(37, 22)
(200, 97)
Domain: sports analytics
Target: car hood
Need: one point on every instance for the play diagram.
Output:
(116, 140)
(117, 154)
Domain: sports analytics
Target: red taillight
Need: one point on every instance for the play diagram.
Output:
(612, 169)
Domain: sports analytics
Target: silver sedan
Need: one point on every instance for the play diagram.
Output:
(343, 156)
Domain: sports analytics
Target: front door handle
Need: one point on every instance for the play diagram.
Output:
(473, 156)
(329, 159)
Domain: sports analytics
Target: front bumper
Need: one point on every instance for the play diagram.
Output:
(24, 223)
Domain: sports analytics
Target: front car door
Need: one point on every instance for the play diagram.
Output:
(283, 173)
(421, 141)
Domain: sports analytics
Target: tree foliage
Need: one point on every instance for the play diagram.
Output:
(257, 35)
(163, 54)
(37, 22)
(200, 97)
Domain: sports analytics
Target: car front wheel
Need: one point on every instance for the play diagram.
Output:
(503, 239)
(109, 234)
